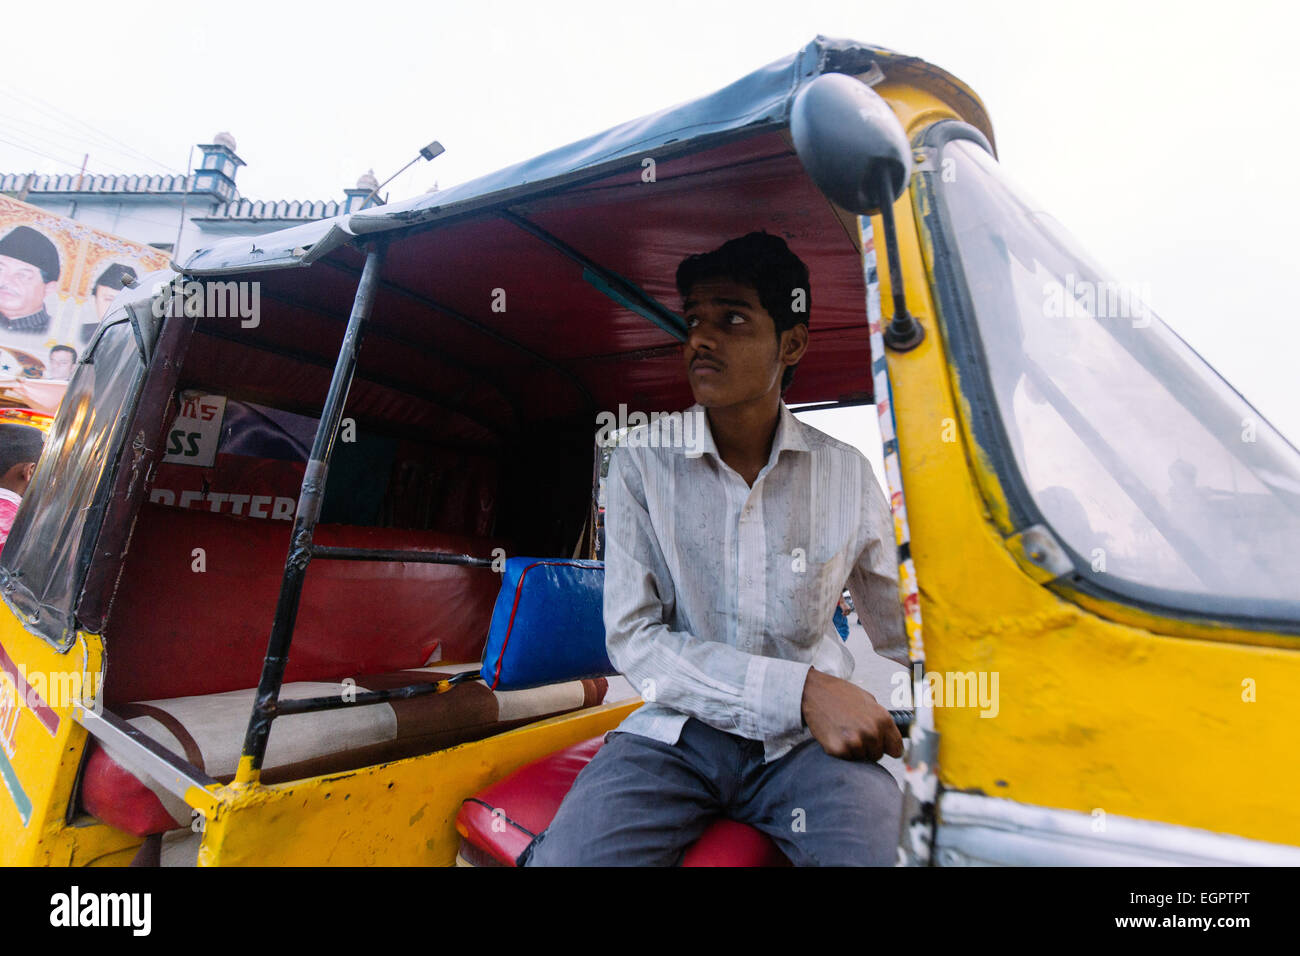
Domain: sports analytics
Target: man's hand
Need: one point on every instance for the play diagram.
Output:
(847, 721)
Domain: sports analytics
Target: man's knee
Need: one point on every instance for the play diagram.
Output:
(832, 812)
(636, 803)
(569, 845)
(860, 828)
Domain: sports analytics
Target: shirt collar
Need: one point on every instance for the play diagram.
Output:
(789, 433)
(8, 495)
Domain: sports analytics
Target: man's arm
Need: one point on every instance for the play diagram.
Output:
(746, 694)
(873, 582)
(846, 720)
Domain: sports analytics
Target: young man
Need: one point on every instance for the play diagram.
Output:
(20, 449)
(722, 572)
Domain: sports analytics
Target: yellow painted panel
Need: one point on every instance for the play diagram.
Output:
(1166, 721)
(395, 814)
(41, 747)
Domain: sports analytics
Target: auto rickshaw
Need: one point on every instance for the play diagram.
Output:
(262, 595)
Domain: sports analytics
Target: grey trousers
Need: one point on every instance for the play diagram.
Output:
(640, 802)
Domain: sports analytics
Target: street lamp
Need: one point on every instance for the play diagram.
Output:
(429, 152)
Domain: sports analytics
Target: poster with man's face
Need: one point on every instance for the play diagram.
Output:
(57, 281)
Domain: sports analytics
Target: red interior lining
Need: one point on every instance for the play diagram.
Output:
(639, 230)
(174, 631)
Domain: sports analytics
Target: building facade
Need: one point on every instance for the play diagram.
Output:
(176, 214)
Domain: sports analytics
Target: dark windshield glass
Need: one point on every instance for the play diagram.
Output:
(45, 558)
(1147, 464)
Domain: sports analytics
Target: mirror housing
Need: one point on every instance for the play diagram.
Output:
(851, 143)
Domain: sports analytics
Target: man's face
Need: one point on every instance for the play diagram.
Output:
(104, 295)
(731, 352)
(22, 288)
(60, 365)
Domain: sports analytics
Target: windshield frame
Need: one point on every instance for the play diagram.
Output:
(46, 605)
(1004, 483)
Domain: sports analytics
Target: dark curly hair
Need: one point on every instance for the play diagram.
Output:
(19, 444)
(764, 262)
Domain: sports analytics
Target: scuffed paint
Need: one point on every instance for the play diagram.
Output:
(46, 757)
(395, 814)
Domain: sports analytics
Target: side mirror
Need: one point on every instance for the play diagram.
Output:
(855, 150)
(851, 143)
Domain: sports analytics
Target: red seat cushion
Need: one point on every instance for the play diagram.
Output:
(498, 823)
(116, 796)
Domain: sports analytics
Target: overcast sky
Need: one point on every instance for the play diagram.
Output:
(1160, 134)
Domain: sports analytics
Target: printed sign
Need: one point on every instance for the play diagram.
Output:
(196, 432)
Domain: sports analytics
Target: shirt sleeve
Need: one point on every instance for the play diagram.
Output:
(874, 579)
(8, 511)
(745, 694)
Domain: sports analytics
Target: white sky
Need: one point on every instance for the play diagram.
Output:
(1159, 133)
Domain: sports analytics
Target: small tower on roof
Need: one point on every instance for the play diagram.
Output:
(217, 169)
(356, 197)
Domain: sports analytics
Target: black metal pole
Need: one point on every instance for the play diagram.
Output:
(328, 552)
(310, 499)
(307, 705)
(903, 332)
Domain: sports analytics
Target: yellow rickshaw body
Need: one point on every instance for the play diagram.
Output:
(1104, 708)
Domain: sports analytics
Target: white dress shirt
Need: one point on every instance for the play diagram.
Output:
(719, 596)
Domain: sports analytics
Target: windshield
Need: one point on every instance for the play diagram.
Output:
(1143, 461)
(45, 558)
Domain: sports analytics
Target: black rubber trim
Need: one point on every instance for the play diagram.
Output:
(520, 827)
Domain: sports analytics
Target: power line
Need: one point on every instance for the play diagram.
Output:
(124, 148)
(38, 152)
(25, 145)
(60, 139)
(59, 146)
(103, 136)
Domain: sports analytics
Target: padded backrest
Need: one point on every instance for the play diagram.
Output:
(175, 630)
(547, 625)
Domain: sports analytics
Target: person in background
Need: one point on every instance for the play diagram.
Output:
(29, 271)
(63, 359)
(841, 619)
(20, 449)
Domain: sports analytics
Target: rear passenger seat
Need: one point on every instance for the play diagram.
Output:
(209, 730)
(544, 654)
(197, 596)
(187, 635)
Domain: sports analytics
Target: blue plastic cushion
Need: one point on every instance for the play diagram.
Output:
(547, 625)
